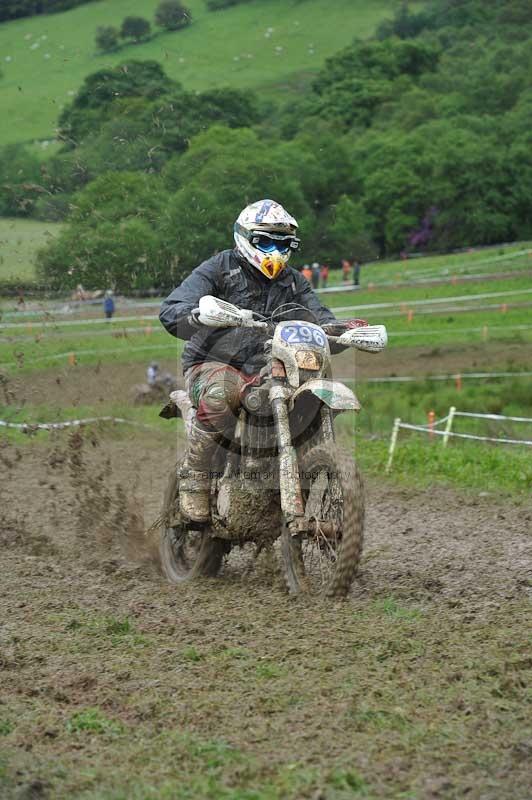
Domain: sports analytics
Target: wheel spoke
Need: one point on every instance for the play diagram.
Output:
(332, 496)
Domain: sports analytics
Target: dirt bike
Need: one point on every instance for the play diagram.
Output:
(281, 476)
(145, 393)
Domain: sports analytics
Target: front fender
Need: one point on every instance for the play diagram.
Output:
(333, 393)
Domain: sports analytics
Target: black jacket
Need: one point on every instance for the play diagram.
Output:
(228, 277)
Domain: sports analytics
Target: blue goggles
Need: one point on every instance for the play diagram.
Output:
(268, 242)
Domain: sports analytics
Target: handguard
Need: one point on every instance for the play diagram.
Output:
(217, 313)
(372, 338)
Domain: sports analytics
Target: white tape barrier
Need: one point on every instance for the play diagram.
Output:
(146, 320)
(29, 427)
(485, 330)
(464, 435)
(431, 279)
(436, 300)
(429, 275)
(496, 417)
(116, 333)
(423, 378)
(492, 307)
(405, 281)
(112, 324)
(337, 309)
(433, 431)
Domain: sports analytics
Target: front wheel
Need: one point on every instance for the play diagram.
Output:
(327, 559)
(186, 553)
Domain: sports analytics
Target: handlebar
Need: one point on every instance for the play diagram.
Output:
(216, 313)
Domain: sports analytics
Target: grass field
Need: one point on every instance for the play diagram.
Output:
(435, 340)
(19, 241)
(125, 688)
(492, 307)
(45, 59)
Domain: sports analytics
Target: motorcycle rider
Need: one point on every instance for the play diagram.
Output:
(219, 363)
(152, 373)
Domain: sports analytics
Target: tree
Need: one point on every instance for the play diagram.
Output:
(20, 181)
(106, 38)
(13, 9)
(224, 170)
(348, 233)
(136, 28)
(105, 90)
(172, 15)
(112, 237)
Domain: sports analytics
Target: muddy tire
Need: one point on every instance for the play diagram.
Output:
(293, 564)
(332, 490)
(186, 553)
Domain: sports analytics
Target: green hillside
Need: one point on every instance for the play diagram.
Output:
(44, 59)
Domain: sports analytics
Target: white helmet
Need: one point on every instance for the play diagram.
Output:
(265, 235)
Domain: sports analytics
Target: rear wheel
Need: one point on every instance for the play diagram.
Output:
(327, 559)
(186, 551)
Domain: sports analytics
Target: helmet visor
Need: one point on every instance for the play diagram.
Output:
(268, 241)
(266, 244)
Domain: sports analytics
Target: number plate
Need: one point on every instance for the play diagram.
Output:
(299, 333)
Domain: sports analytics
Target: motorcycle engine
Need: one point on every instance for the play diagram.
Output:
(247, 505)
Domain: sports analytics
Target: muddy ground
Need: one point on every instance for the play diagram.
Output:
(107, 383)
(114, 684)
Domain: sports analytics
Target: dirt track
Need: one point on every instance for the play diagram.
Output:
(107, 383)
(415, 687)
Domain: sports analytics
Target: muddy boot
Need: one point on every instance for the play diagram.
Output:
(195, 481)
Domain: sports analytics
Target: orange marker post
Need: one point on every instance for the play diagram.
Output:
(147, 330)
(431, 416)
(504, 308)
(410, 316)
(458, 382)
(454, 280)
(72, 359)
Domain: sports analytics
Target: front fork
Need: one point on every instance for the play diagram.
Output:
(290, 485)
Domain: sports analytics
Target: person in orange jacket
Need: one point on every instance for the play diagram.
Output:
(307, 273)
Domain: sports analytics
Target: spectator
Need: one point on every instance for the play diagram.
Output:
(315, 275)
(307, 273)
(152, 373)
(346, 270)
(324, 274)
(356, 272)
(108, 304)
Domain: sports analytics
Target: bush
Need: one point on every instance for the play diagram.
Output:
(136, 28)
(13, 9)
(216, 5)
(106, 38)
(52, 208)
(20, 181)
(172, 15)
